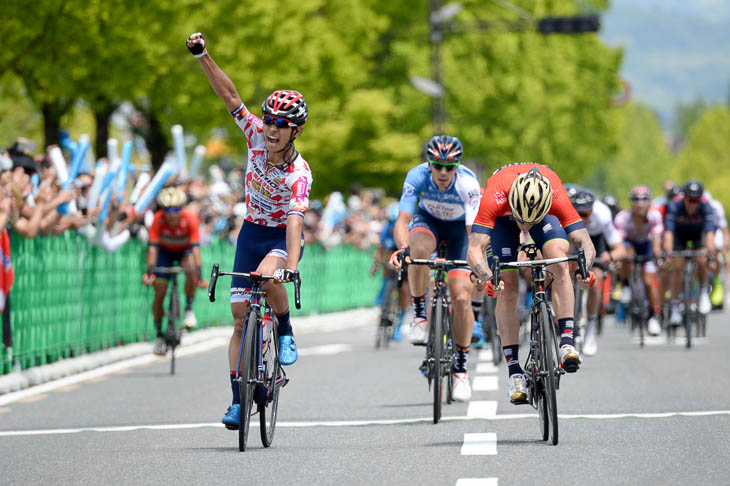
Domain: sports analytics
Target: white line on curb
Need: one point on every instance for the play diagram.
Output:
(485, 383)
(360, 423)
(482, 444)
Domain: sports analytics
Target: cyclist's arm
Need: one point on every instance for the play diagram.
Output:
(617, 251)
(197, 258)
(668, 241)
(221, 83)
(476, 255)
(152, 251)
(581, 239)
(294, 226)
(400, 232)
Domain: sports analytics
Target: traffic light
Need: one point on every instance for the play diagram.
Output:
(577, 24)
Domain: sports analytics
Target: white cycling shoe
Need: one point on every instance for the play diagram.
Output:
(190, 320)
(517, 389)
(590, 347)
(462, 387)
(569, 358)
(418, 332)
(705, 305)
(675, 318)
(159, 347)
(653, 326)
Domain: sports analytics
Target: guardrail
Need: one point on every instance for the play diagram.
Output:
(71, 297)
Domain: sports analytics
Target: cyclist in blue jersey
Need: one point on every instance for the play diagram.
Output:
(439, 202)
(690, 224)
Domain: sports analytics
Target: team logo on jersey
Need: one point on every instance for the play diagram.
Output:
(500, 197)
(547, 227)
(408, 189)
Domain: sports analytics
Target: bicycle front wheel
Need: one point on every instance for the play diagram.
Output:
(273, 380)
(547, 367)
(686, 314)
(247, 373)
(436, 343)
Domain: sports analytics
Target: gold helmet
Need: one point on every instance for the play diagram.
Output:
(530, 197)
(171, 197)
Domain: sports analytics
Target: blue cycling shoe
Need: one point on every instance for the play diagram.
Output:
(288, 353)
(232, 418)
(477, 337)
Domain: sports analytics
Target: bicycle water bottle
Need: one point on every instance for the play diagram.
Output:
(267, 324)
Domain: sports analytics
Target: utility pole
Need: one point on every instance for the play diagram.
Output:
(438, 104)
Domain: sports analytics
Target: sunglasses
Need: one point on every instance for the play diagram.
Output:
(438, 166)
(173, 210)
(279, 122)
(693, 200)
(639, 200)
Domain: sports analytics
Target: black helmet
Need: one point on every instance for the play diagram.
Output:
(673, 191)
(444, 150)
(611, 201)
(572, 189)
(693, 188)
(288, 104)
(583, 202)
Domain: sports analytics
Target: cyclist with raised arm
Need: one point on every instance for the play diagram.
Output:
(528, 197)
(174, 239)
(609, 246)
(278, 182)
(690, 224)
(439, 201)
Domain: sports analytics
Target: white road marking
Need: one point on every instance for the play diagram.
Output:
(112, 368)
(325, 350)
(485, 383)
(361, 423)
(477, 482)
(679, 341)
(485, 355)
(486, 368)
(482, 444)
(482, 409)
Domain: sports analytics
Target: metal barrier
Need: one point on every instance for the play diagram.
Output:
(71, 297)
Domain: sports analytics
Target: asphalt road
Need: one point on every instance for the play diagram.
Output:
(354, 415)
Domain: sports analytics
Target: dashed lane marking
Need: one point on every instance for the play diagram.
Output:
(486, 368)
(477, 482)
(485, 355)
(485, 383)
(481, 444)
(325, 350)
(482, 409)
(361, 423)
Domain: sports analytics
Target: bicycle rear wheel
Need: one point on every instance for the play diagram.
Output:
(547, 366)
(172, 317)
(686, 315)
(273, 379)
(489, 325)
(436, 343)
(535, 381)
(247, 373)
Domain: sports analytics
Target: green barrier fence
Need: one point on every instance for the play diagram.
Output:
(71, 297)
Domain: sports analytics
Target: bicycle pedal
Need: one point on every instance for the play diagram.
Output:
(232, 427)
(419, 344)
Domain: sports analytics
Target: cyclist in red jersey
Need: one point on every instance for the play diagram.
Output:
(528, 197)
(174, 238)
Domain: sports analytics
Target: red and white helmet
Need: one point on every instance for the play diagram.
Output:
(288, 104)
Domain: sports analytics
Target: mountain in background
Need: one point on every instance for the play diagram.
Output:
(674, 50)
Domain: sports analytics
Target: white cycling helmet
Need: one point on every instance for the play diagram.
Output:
(530, 197)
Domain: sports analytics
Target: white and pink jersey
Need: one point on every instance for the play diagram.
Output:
(629, 231)
(272, 193)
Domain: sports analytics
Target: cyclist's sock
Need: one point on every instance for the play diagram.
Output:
(419, 306)
(189, 303)
(235, 389)
(566, 331)
(476, 306)
(510, 356)
(462, 354)
(591, 322)
(284, 327)
(158, 328)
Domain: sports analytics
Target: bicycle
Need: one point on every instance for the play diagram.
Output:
(690, 291)
(638, 311)
(487, 317)
(173, 334)
(541, 370)
(389, 310)
(260, 376)
(440, 349)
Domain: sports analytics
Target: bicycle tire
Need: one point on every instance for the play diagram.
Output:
(172, 317)
(248, 376)
(272, 383)
(449, 358)
(686, 318)
(538, 399)
(388, 314)
(547, 346)
(437, 343)
(489, 325)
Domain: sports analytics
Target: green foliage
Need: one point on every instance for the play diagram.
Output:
(706, 155)
(643, 156)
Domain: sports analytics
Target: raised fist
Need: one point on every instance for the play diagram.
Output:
(196, 45)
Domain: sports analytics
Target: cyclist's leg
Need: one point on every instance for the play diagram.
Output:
(187, 262)
(422, 242)
(165, 258)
